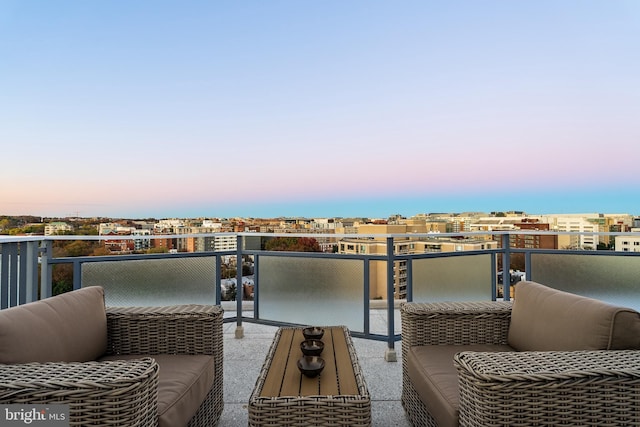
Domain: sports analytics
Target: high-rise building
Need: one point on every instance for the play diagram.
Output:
(370, 244)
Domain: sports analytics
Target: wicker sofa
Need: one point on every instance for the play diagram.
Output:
(549, 358)
(133, 366)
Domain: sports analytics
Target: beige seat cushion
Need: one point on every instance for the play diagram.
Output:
(71, 327)
(435, 378)
(546, 319)
(183, 383)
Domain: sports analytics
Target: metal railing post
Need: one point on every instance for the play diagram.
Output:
(390, 353)
(367, 296)
(256, 287)
(218, 280)
(5, 269)
(494, 293)
(23, 265)
(77, 275)
(239, 288)
(506, 267)
(31, 285)
(409, 279)
(45, 270)
(14, 272)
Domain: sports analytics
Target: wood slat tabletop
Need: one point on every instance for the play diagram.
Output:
(285, 379)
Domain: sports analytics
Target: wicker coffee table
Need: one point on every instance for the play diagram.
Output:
(284, 397)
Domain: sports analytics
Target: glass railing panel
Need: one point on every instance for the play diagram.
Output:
(378, 280)
(613, 279)
(452, 278)
(154, 282)
(312, 291)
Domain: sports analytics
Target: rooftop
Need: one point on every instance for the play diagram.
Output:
(341, 287)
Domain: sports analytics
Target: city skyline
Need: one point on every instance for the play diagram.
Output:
(332, 109)
(507, 216)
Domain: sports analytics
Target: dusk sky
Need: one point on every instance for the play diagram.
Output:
(327, 108)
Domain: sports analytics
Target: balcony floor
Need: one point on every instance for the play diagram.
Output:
(243, 359)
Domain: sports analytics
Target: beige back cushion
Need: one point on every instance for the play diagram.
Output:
(546, 319)
(71, 327)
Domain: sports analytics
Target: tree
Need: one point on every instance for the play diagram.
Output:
(62, 274)
(293, 244)
(79, 248)
(101, 251)
(87, 230)
(228, 271)
(61, 278)
(158, 250)
(230, 294)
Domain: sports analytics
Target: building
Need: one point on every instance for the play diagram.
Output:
(57, 228)
(115, 230)
(628, 243)
(533, 241)
(585, 227)
(377, 245)
(141, 242)
(208, 239)
(168, 244)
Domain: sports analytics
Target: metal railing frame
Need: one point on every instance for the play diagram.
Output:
(19, 282)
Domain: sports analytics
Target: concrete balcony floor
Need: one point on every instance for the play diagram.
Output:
(243, 360)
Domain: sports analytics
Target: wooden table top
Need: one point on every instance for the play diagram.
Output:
(285, 379)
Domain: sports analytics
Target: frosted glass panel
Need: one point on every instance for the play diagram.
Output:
(458, 278)
(154, 282)
(614, 279)
(312, 291)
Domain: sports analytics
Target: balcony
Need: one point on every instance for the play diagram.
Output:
(356, 290)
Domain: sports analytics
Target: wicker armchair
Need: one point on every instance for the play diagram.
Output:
(180, 329)
(120, 387)
(123, 393)
(509, 388)
(446, 324)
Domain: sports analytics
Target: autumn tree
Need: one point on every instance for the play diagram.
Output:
(228, 271)
(293, 244)
(61, 278)
(62, 274)
(158, 250)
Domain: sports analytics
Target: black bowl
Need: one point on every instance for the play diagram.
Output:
(313, 333)
(311, 366)
(311, 347)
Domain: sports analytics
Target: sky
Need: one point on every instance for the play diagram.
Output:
(371, 108)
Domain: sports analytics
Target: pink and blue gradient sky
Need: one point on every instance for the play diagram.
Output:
(333, 108)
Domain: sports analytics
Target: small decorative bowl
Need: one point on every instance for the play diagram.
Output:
(313, 333)
(311, 347)
(311, 366)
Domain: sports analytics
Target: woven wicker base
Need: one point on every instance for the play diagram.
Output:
(125, 392)
(118, 393)
(574, 388)
(447, 323)
(210, 411)
(181, 329)
(316, 410)
(414, 408)
(508, 389)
